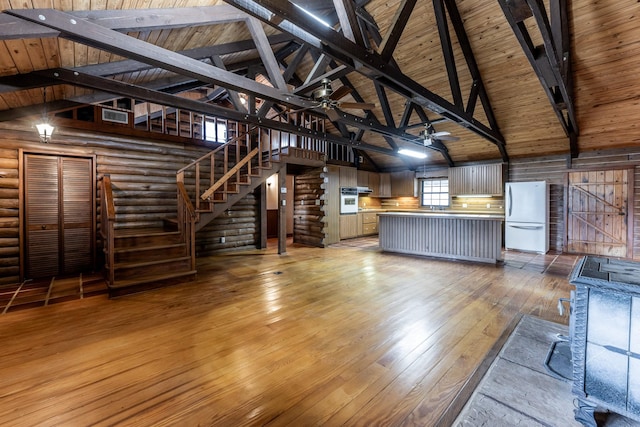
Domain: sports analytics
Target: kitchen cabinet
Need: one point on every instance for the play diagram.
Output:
(348, 226)
(403, 184)
(385, 185)
(367, 223)
(476, 180)
(348, 177)
(363, 178)
(374, 184)
(331, 206)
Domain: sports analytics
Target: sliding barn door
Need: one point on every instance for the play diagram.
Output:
(598, 212)
(59, 215)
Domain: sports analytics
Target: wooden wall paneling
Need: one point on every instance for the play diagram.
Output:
(10, 200)
(309, 224)
(145, 189)
(331, 204)
(553, 169)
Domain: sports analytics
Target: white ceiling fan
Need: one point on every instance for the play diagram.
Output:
(429, 135)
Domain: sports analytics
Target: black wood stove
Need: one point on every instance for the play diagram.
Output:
(605, 337)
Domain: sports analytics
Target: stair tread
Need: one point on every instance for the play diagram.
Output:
(150, 278)
(125, 233)
(124, 265)
(146, 248)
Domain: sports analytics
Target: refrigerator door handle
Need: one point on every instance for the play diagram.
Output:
(526, 227)
(510, 201)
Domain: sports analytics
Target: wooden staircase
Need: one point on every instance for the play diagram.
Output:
(139, 259)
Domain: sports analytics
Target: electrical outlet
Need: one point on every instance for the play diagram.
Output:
(464, 205)
(222, 239)
(488, 205)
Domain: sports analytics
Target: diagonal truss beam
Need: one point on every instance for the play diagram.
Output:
(284, 16)
(391, 39)
(12, 28)
(112, 41)
(551, 61)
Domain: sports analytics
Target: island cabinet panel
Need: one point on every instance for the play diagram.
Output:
(467, 237)
(475, 180)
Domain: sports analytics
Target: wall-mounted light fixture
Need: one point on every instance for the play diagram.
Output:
(45, 129)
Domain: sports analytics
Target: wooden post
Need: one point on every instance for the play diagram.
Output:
(262, 243)
(282, 210)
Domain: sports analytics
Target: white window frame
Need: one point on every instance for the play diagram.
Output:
(215, 130)
(434, 192)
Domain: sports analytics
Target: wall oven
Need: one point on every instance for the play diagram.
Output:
(348, 200)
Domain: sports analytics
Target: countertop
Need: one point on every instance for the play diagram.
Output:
(440, 214)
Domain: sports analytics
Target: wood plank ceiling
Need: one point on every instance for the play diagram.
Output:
(487, 72)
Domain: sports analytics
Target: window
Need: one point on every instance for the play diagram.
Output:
(434, 192)
(215, 131)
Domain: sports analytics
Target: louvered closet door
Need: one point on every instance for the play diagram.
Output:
(58, 215)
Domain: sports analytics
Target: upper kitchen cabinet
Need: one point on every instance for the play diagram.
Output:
(403, 184)
(476, 180)
(370, 180)
(374, 184)
(348, 177)
(384, 189)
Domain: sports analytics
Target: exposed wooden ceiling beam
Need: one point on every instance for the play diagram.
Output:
(127, 20)
(552, 66)
(465, 46)
(392, 37)
(447, 51)
(266, 53)
(348, 21)
(284, 16)
(112, 41)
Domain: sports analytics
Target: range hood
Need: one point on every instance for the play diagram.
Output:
(364, 190)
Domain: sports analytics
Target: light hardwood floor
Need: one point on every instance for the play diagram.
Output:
(339, 336)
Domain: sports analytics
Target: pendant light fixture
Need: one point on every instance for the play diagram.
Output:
(44, 128)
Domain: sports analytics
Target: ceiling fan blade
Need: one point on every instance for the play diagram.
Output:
(357, 105)
(441, 133)
(447, 138)
(339, 93)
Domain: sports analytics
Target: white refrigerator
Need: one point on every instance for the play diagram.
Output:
(526, 214)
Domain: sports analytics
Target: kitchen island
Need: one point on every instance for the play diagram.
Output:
(472, 237)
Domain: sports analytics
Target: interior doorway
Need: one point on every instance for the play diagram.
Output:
(59, 215)
(598, 212)
(272, 205)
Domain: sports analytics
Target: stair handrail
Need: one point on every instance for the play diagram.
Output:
(107, 226)
(229, 174)
(187, 218)
(217, 149)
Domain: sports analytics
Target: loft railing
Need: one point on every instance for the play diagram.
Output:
(107, 222)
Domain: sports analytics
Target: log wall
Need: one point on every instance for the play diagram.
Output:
(553, 170)
(308, 214)
(144, 184)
